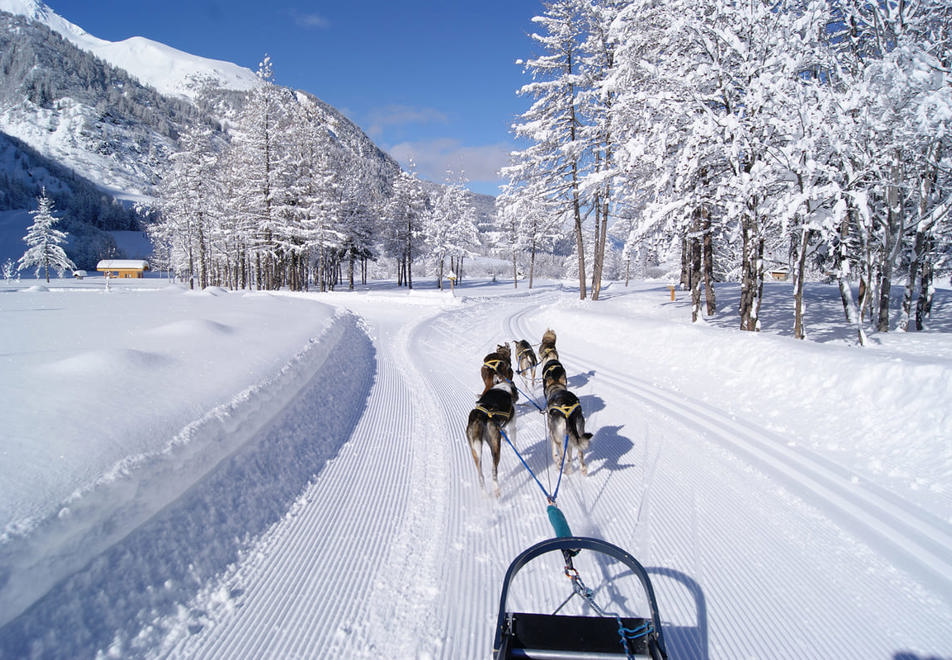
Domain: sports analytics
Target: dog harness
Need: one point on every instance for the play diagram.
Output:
(493, 364)
(493, 413)
(552, 366)
(565, 410)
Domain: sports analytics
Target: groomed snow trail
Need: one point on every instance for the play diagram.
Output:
(351, 523)
(394, 550)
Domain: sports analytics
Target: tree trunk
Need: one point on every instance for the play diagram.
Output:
(892, 245)
(917, 258)
(582, 294)
(708, 256)
(748, 286)
(599, 266)
(926, 288)
(685, 264)
(798, 274)
(532, 254)
(695, 250)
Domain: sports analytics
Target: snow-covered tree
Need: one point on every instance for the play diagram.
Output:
(554, 160)
(449, 228)
(404, 213)
(9, 269)
(187, 195)
(44, 241)
(360, 209)
(532, 224)
(261, 159)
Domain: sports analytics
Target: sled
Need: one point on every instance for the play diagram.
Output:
(564, 637)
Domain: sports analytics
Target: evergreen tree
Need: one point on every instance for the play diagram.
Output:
(405, 211)
(44, 241)
(554, 160)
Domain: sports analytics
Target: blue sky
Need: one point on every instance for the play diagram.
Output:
(432, 80)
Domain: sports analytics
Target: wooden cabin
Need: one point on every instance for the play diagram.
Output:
(123, 268)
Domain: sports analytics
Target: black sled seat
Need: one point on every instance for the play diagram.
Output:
(560, 637)
(557, 637)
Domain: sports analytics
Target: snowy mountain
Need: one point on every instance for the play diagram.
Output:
(171, 72)
(84, 114)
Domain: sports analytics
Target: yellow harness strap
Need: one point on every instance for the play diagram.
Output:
(565, 410)
(493, 413)
(493, 364)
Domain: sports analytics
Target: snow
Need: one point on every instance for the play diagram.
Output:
(243, 475)
(169, 71)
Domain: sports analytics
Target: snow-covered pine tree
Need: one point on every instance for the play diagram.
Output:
(187, 194)
(553, 124)
(449, 227)
(672, 157)
(9, 269)
(404, 212)
(360, 208)
(259, 153)
(596, 99)
(44, 241)
(312, 200)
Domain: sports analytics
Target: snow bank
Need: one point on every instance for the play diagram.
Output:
(112, 420)
(883, 410)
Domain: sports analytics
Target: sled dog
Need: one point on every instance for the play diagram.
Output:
(526, 358)
(547, 346)
(492, 413)
(553, 376)
(563, 414)
(497, 367)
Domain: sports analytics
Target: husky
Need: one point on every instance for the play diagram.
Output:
(497, 367)
(563, 413)
(547, 347)
(526, 358)
(553, 375)
(494, 410)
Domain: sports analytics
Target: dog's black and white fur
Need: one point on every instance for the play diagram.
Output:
(553, 373)
(497, 367)
(493, 412)
(563, 413)
(527, 359)
(563, 410)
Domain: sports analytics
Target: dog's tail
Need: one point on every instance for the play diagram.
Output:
(582, 439)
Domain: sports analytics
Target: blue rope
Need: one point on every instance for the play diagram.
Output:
(531, 399)
(634, 633)
(550, 498)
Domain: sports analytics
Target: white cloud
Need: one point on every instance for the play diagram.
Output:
(309, 20)
(399, 115)
(434, 158)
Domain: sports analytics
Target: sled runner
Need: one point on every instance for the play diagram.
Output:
(562, 637)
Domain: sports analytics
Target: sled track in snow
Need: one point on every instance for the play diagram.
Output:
(911, 537)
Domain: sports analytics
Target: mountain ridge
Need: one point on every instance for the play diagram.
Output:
(170, 71)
